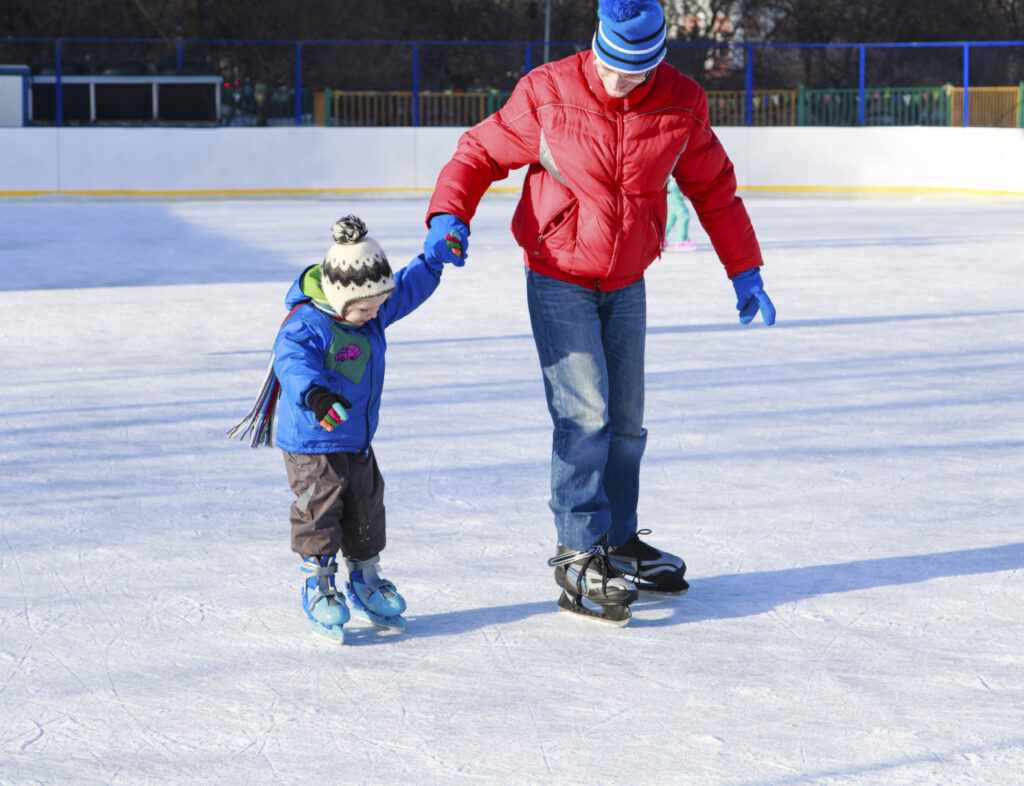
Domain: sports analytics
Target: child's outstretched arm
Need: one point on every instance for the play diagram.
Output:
(414, 283)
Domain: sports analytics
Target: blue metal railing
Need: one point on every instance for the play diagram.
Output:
(965, 49)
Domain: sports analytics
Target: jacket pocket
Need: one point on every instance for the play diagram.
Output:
(655, 233)
(659, 227)
(558, 231)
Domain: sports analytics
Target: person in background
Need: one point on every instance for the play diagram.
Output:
(678, 221)
(601, 132)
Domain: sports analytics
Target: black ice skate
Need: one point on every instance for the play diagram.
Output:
(586, 575)
(650, 569)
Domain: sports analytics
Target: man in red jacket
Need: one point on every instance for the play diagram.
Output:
(601, 132)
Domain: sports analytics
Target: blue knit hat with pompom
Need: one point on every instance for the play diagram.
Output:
(630, 35)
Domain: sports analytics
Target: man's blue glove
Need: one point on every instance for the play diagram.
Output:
(447, 241)
(751, 297)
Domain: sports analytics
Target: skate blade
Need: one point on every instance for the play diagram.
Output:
(654, 589)
(398, 623)
(613, 614)
(332, 633)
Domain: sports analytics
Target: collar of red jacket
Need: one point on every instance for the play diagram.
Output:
(635, 96)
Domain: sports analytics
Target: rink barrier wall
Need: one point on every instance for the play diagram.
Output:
(239, 162)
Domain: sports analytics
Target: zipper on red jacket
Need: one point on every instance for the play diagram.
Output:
(619, 123)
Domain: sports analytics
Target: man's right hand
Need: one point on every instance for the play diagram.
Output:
(447, 240)
(751, 297)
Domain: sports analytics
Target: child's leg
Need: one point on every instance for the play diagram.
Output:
(363, 523)
(319, 482)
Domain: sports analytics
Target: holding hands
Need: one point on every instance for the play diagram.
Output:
(751, 297)
(447, 240)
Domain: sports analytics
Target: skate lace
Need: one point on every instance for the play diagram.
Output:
(599, 552)
(639, 559)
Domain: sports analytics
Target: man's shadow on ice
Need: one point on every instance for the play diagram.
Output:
(747, 594)
(737, 595)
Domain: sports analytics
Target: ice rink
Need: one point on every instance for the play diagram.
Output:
(847, 488)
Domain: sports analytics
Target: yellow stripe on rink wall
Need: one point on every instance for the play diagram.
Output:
(238, 192)
(268, 192)
(909, 190)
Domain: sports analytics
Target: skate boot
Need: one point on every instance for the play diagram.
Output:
(587, 576)
(373, 598)
(651, 569)
(324, 606)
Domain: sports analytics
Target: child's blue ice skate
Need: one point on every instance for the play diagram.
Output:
(324, 606)
(374, 599)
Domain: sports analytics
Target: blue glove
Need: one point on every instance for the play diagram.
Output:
(751, 297)
(447, 241)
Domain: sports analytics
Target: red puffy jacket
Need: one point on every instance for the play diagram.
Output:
(592, 210)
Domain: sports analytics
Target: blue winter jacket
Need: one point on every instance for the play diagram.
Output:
(315, 347)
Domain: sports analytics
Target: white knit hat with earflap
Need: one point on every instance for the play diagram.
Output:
(355, 267)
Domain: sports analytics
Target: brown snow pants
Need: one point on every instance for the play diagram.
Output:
(339, 504)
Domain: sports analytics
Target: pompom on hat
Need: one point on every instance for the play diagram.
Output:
(355, 266)
(630, 35)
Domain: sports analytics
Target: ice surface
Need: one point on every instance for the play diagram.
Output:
(846, 488)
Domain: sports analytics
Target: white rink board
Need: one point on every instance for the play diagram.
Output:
(210, 161)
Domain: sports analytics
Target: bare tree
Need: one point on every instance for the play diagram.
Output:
(711, 24)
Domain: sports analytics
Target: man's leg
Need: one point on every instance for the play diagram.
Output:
(623, 314)
(567, 331)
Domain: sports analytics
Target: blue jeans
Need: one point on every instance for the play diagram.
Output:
(591, 349)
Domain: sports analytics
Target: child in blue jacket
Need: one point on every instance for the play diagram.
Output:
(326, 380)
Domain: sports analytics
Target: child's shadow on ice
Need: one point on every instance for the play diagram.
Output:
(451, 623)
